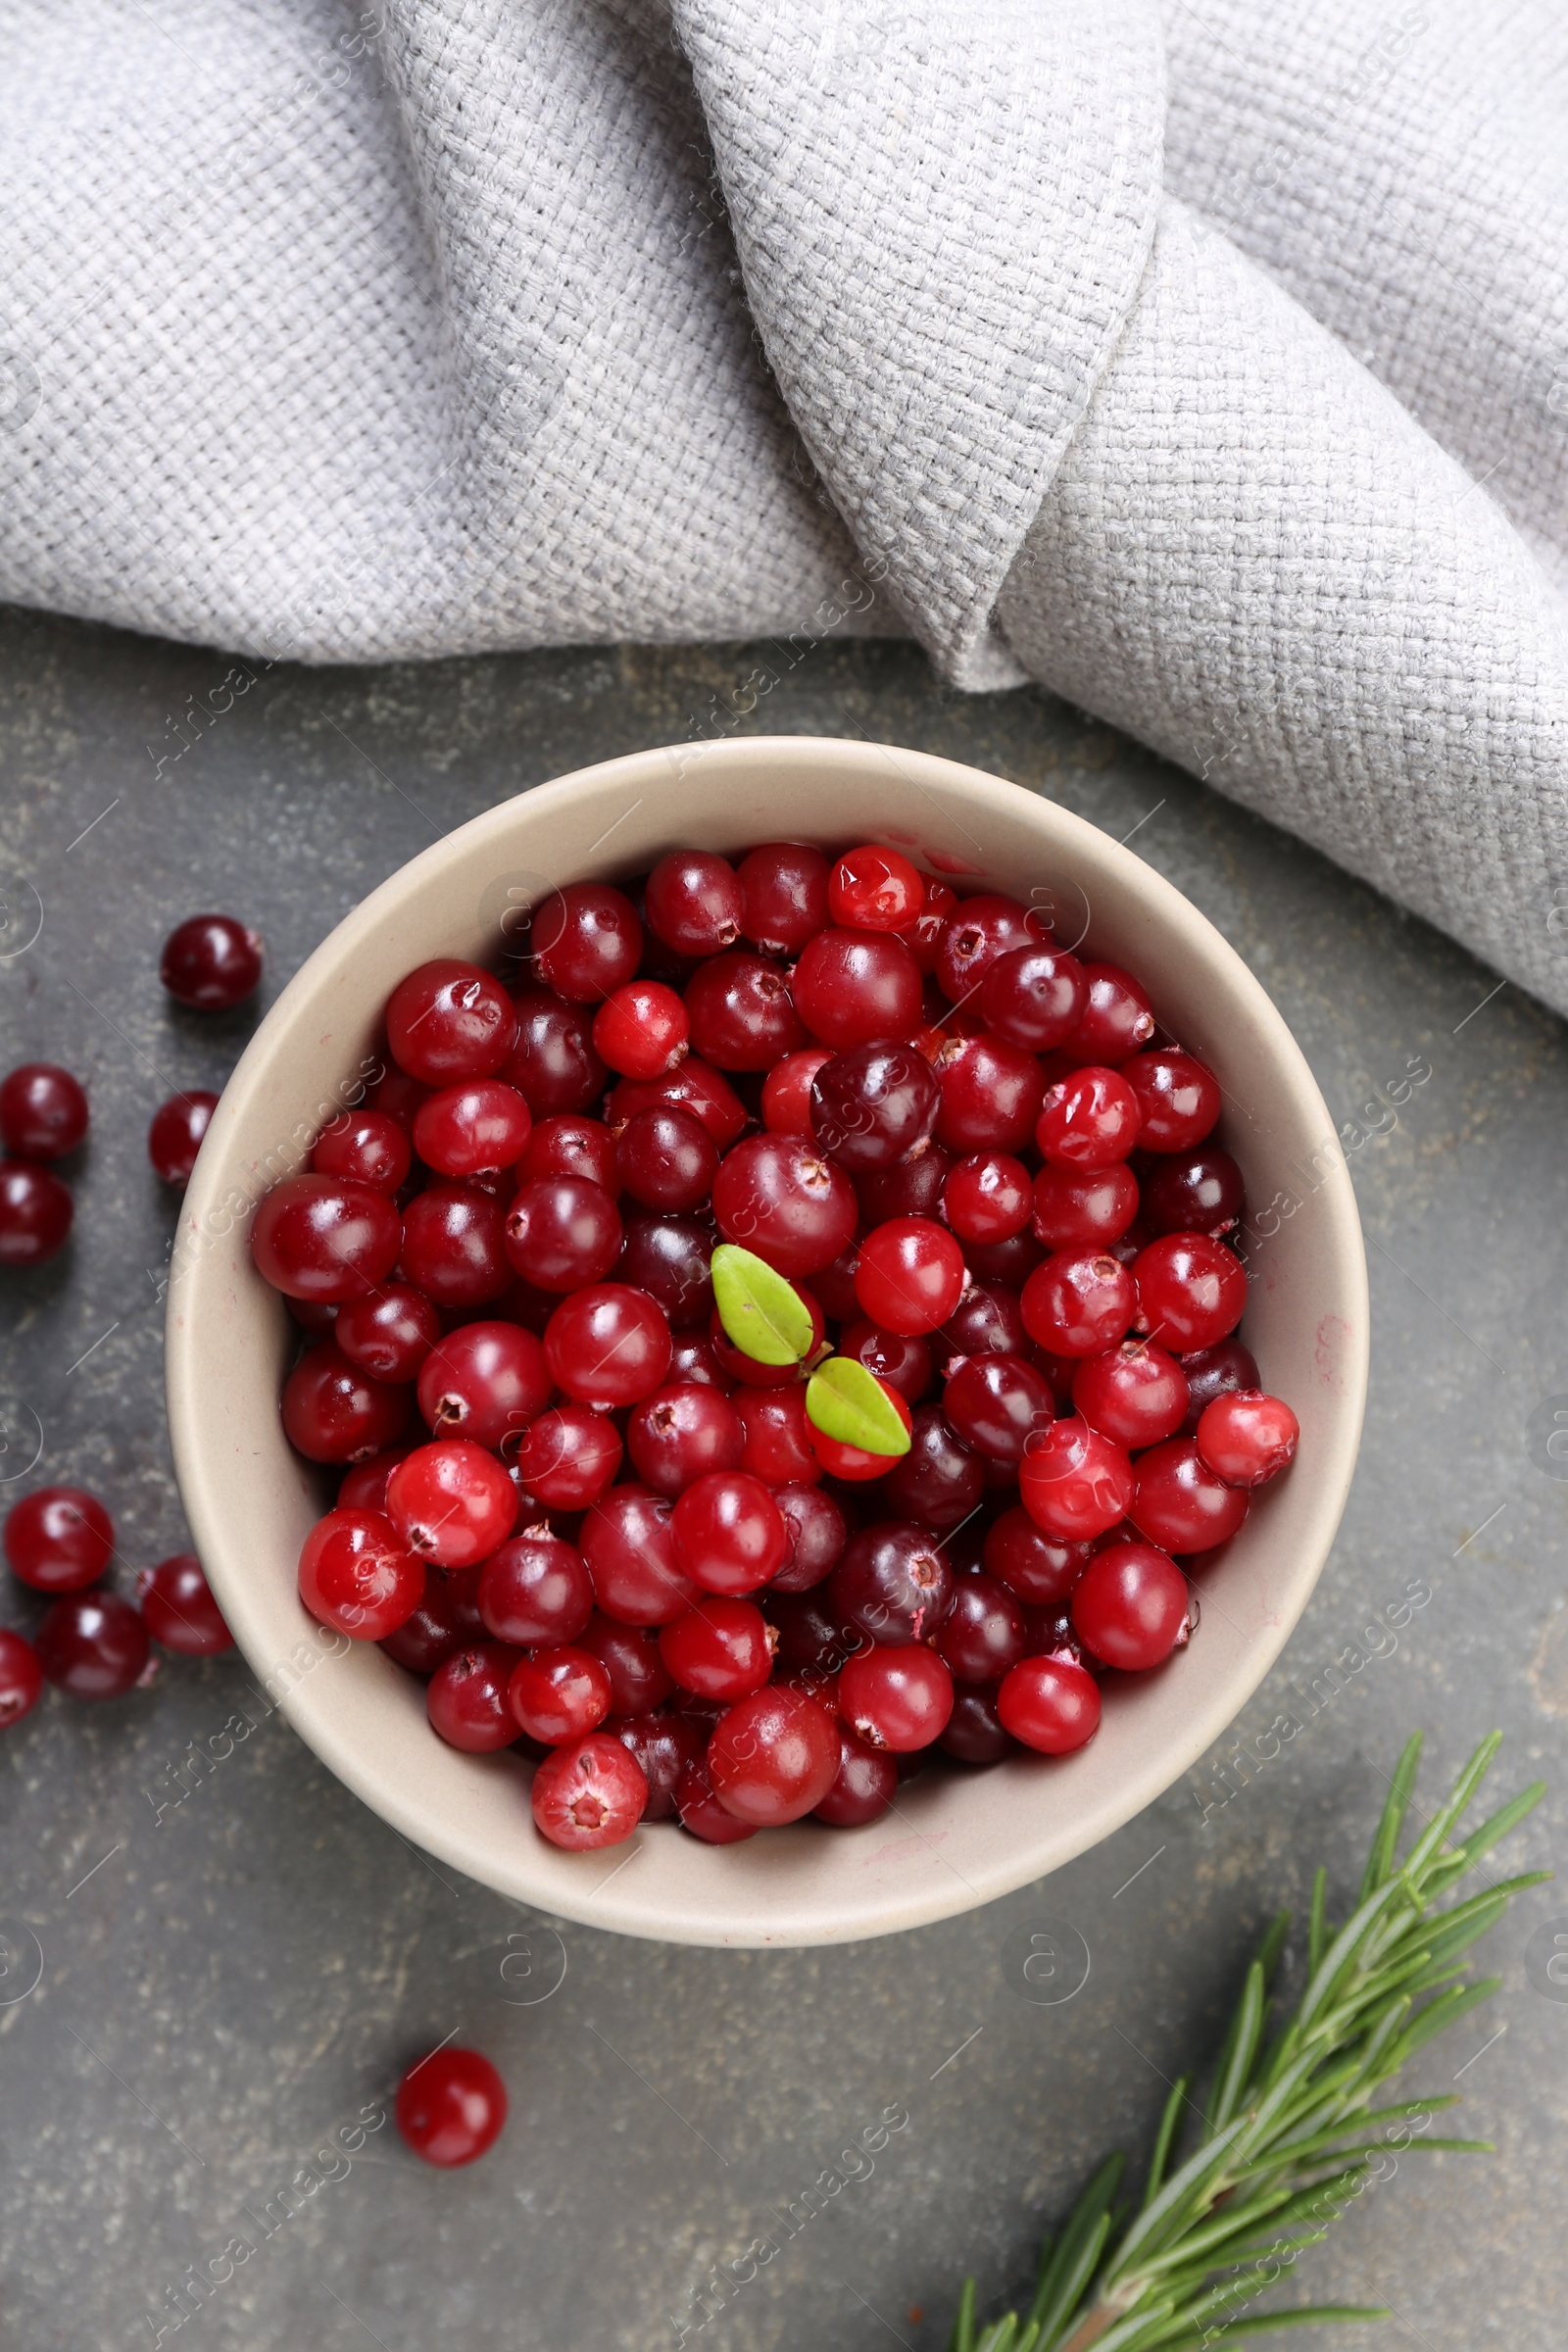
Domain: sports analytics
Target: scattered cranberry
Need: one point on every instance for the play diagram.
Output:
(451, 2106)
(178, 1609)
(1050, 1703)
(58, 1538)
(212, 962)
(93, 1645)
(1246, 1437)
(43, 1112)
(20, 1677)
(35, 1214)
(590, 1795)
(897, 1698)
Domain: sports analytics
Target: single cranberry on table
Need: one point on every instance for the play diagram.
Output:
(586, 941)
(1192, 1291)
(20, 1677)
(607, 1345)
(323, 1238)
(695, 903)
(367, 1146)
(333, 1412)
(452, 1502)
(58, 1538)
(910, 1275)
(554, 1065)
(178, 1609)
(665, 1159)
(443, 1620)
(774, 1757)
(1178, 1098)
(1179, 1503)
(818, 1532)
(451, 2106)
(211, 963)
(92, 1644)
(1050, 1704)
(893, 1583)
(568, 1456)
(43, 1112)
(865, 1785)
(1039, 1568)
(1135, 1392)
(176, 1134)
(388, 1333)
(358, 1575)
(1246, 1437)
(996, 1404)
(722, 1648)
(1074, 1481)
(1118, 1017)
(682, 1432)
(641, 1029)
(991, 1094)
(35, 1214)
(589, 1794)
(977, 934)
(784, 889)
(874, 888)
(896, 1698)
(727, 1532)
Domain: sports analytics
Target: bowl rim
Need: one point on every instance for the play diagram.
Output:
(199, 1472)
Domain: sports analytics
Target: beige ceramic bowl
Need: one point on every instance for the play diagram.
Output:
(955, 1839)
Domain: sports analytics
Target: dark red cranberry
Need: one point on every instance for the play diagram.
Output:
(179, 1610)
(35, 1214)
(784, 887)
(810, 1637)
(892, 1583)
(362, 1486)
(567, 1143)
(1034, 996)
(333, 1412)
(1193, 1192)
(975, 1733)
(1215, 1371)
(897, 1698)
(484, 1381)
(639, 1679)
(1248, 1437)
(1192, 1291)
(1079, 1303)
(996, 1404)
(818, 1532)
(692, 1358)
(452, 1502)
(449, 1020)
(43, 1112)
(939, 1481)
(643, 1030)
(1074, 1481)
(388, 1333)
(176, 1136)
(1178, 1098)
(872, 1106)
(1118, 1017)
(777, 1196)
(364, 1147)
(1136, 1393)
(695, 903)
(466, 1699)
(589, 1794)
(316, 1236)
(776, 1437)
(852, 988)
(867, 1781)
(701, 1813)
(535, 1590)
(1130, 1607)
(586, 941)
(682, 1432)
(628, 1545)
(397, 1097)
(977, 934)
(742, 1017)
(554, 1064)
(568, 1456)
(667, 1159)
(910, 1275)
(902, 1359)
(983, 1633)
(774, 1757)
(722, 1648)
(1051, 1704)
(695, 1087)
(1084, 1209)
(212, 962)
(93, 1645)
(988, 1198)
(454, 1245)
(670, 1258)
(990, 1095)
(451, 2106)
(874, 888)
(1009, 1262)
(562, 1232)
(1088, 1120)
(443, 1620)
(914, 1187)
(987, 1321)
(1179, 1503)
(662, 1745)
(58, 1538)
(20, 1677)
(607, 1345)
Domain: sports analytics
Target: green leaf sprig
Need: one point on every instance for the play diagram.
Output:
(1290, 2130)
(766, 1318)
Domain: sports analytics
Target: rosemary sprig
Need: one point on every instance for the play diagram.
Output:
(1289, 2131)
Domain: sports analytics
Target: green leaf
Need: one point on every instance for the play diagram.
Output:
(844, 1401)
(761, 1311)
(1380, 1861)
(1064, 2277)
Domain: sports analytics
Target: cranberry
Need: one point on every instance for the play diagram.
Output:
(978, 933)
(333, 1412)
(35, 1214)
(452, 1502)
(590, 1795)
(178, 1609)
(892, 1583)
(975, 1733)
(742, 1017)
(1118, 1017)
(873, 1105)
(554, 1064)
(667, 1159)
(212, 962)
(900, 1359)
(817, 1530)
(1136, 1393)
(1084, 1209)
(639, 1679)
(468, 1128)
(1079, 1303)
(866, 1783)
(1074, 1481)
(43, 1112)
(670, 1258)
(566, 1144)
(1130, 1607)
(984, 1633)
(535, 1590)
(777, 1196)
(607, 1346)
(1088, 1120)
(1009, 1262)
(176, 1136)
(1193, 1192)
(1051, 1704)
(988, 1197)
(558, 1695)
(58, 1538)
(362, 1486)
(467, 1699)
(397, 1097)
(939, 1481)
(1034, 996)
(568, 1456)
(897, 1698)
(729, 1536)
(810, 1638)
(318, 1238)
(987, 1321)
(996, 1404)
(662, 1745)
(451, 2106)
(443, 1620)
(1212, 1372)
(695, 903)
(874, 888)
(1178, 1098)
(911, 1187)
(358, 1575)
(784, 886)
(701, 1813)
(787, 1091)
(562, 1232)
(587, 942)
(449, 1020)
(989, 1094)
(363, 1147)
(1192, 1291)
(485, 1381)
(910, 1275)
(706, 1092)
(679, 1434)
(1179, 1503)
(1041, 1569)
(1246, 1437)
(388, 1333)
(722, 1648)
(20, 1677)
(642, 1030)
(692, 1358)
(775, 1433)
(774, 1757)
(923, 937)
(628, 1545)
(852, 988)
(93, 1645)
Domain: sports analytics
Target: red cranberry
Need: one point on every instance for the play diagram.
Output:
(466, 1699)
(897, 1698)
(817, 1530)
(1051, 1704)
(453, 1245)
(43, 1112)
(452, 1502)
(681, 1432)
(176, 1136)
(1034, 996)
(1136, 1393)
(988, 1197)
(1009, 1262)
(468, 1129)
(358, 1576)
(667, 1159)
(58, 1538)
(20, 1677)
(397, 1097)
(742, 1017)
(1248, 1437)
(989, 1094)
(1040, 1569)
(775, 1434)
(852, 988)
(865, 1785)
(1084, 1209)
(982, 1635)
(939, 1481)
(443, 1620)
(912, 1188)
(93, 1645)
(662, 1745)
(568, 1456)
(774, 1757)
(779, 1196)
(987, 1321)
(810, 1638)
(535, 1591)
(978, 933)
(874, 888)
(1079, 1303)
(1179, 1503)
(212, 962)
(695, 903)
(642, 1030)
(695, 1087)
(996, 1404)
(701, 1813)
(590, 1795)
(628, 1545)
(1192, 1291)
(333, 1412)
(587, 942)
(728, 1535)
(639, 1679)
(1130, 1607)
(787, 1091)
(871, 1107)
(923, 937)
(388, 1333)
(562, 1232)
(554, 1065)
(722, 1648)
(558, 1695)
(35, 1214)
(607, 1346)
(902, 1359)
(1178, 1098)
(910, 1275)
(452, 2106)
(1193, 1192)
(1074, 1481)
(1118, 1017)
(853, 1464)
(318, 1238)
(566, 1144)
(892, 1583)
(1088, 1120)
(362, 1486)
(784, 888)
(485, 1381)
(364, 1147)
(449, 1020)
(670, 1258)
(1215, 1371)
(178, 1609)
(976, 1734)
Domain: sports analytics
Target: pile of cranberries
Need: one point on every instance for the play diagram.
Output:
(577, 1503)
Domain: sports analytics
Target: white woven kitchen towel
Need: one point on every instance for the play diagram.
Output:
(1234, 409)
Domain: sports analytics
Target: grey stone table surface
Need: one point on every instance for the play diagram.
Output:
(224, 1979)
